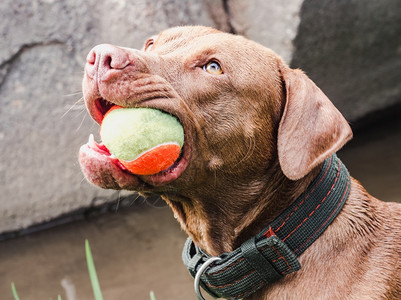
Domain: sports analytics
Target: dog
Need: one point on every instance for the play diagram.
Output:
(258, 136)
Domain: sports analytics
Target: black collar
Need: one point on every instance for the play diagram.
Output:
(273, 253)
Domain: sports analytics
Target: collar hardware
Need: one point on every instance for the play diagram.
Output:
(274, 252)
(200, 272)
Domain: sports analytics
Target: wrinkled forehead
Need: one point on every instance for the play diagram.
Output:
(194, 38)
(179, 37)
(191, 40)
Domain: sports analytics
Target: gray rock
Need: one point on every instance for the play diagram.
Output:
(272, 23)
(352, 50)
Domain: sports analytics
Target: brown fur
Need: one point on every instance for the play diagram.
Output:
(256, 136)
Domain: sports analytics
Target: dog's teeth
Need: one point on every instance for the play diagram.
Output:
(91, 141)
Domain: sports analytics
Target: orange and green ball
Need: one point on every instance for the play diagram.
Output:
(145, 140)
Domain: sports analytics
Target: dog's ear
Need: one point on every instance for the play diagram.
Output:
(311, 128)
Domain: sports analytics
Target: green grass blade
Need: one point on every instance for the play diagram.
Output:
(92, 272)
(59, 297)
(152, 295)
(14, 290)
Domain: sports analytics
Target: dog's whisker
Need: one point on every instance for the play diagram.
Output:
(82, 180)
(73, 107)
(73, 94)
(118, 201)
(80, 125)
(135, 200)
(80, 111)
(154, 203)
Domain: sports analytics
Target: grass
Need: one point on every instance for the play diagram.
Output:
(152, 295)
(92, 272)
(14, 290)
(97, 292)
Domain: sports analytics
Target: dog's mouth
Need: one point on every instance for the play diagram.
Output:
(103, 169)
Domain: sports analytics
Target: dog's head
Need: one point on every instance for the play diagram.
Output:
(241, 107)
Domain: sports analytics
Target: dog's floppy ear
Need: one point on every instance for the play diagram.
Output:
(311, 128)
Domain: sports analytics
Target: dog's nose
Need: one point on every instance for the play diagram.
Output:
(103, 58)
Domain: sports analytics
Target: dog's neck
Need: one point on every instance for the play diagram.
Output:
(219, 220)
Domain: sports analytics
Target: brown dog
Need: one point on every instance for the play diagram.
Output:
(256, 136)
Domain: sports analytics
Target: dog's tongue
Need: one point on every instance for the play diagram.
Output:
(101, 149)
(103, 170)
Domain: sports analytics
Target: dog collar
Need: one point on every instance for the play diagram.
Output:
(273, 253)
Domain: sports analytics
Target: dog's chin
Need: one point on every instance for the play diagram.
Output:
(102, 169)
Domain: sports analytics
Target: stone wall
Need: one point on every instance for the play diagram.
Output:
(352, 49)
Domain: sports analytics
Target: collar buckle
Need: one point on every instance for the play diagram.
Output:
(257, 262)
(200, 272)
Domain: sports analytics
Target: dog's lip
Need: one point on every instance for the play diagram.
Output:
(101, 169)
(99, 107)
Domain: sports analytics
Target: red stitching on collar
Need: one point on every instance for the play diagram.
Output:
(328, 193)
(281, 256)
(229, 284)
(306, 197)
(339, 203)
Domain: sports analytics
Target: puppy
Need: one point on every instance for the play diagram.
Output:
(260, 143)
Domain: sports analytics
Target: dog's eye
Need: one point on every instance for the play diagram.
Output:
(149, 45)
(213, 67)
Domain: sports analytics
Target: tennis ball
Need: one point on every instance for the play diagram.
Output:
(145, 140)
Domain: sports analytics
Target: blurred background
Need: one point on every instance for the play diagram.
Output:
(350, 48)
